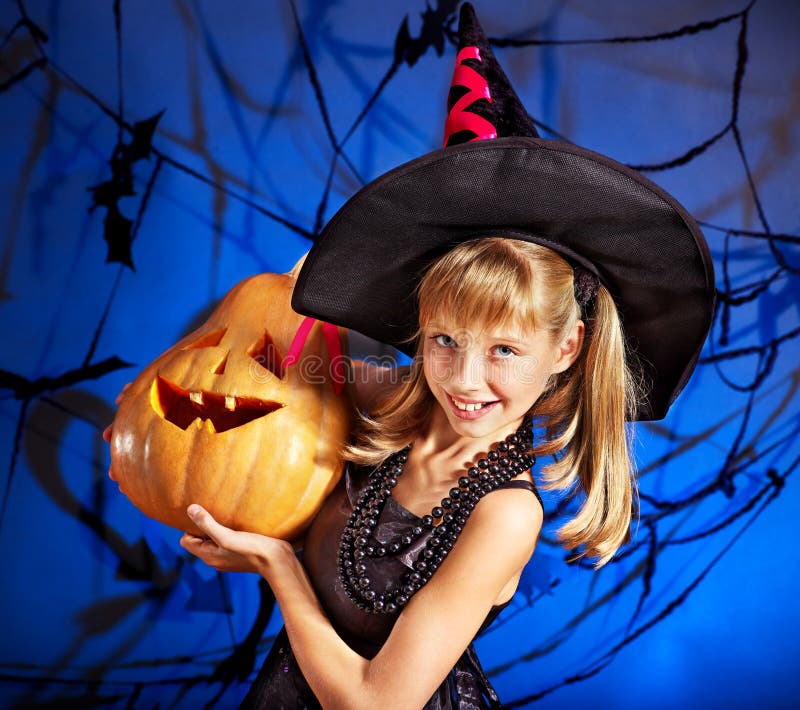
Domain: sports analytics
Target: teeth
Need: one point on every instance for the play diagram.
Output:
(230, 402)
(196, 397)
(467, 407)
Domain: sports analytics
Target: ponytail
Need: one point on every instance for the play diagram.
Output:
(585, 412)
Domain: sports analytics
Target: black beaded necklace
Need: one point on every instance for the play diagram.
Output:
(506, 460)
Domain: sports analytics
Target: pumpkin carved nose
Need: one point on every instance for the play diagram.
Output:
(220, 368)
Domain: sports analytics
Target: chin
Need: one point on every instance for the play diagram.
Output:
(471, 430)
(476, 428)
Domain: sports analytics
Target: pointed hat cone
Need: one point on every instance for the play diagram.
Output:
(481, 104)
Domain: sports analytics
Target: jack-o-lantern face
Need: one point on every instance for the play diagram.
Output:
(218, 420)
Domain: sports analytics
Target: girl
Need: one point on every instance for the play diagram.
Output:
(501, 339)
(534, 282)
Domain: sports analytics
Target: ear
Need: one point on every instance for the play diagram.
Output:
(569, 348)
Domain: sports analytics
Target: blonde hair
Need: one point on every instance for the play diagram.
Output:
(498, 282)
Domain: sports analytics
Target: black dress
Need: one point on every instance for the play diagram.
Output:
(280, 684)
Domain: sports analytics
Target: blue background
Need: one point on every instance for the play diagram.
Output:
(101, 604)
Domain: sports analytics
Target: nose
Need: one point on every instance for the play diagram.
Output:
(469, 372)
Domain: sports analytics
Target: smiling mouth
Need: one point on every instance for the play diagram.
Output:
(469, 405)
(219, 412)
(470, 410)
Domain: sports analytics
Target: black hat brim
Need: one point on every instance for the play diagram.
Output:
(646, 249)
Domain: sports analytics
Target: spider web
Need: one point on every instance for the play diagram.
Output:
(342, 95)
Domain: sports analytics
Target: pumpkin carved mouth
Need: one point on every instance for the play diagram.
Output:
(219, 412)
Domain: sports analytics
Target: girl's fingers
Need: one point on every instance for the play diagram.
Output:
(205, 521)
(121, 395)
(188, 540)
(202, 548)
(117, 401)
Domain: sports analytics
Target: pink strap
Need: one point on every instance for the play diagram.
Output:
(331, 334)
(298, 342)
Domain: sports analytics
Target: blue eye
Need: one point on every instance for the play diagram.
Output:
(444, 341)
(504, 351)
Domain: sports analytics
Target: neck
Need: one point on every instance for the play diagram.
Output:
(439, 439)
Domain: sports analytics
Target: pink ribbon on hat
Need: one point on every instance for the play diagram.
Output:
(459, 119)
(331, 335)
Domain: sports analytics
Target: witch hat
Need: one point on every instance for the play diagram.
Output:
(597, 213)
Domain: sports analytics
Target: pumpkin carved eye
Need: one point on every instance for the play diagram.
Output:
(209, 340)
(219, 412)
(266, 354)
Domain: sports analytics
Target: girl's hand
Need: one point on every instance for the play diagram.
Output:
(107, 430)
(229, 550)
(117, 401)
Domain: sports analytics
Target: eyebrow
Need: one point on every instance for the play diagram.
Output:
(491, 336)
(506, 338)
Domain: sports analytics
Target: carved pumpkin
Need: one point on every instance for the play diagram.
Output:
(217, 420)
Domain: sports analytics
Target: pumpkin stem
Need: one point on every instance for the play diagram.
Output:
(295, 271)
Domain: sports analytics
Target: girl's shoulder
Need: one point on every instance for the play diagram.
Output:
(511, 514)
(524, 484)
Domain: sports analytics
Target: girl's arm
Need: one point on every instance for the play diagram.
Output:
(431, 633)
